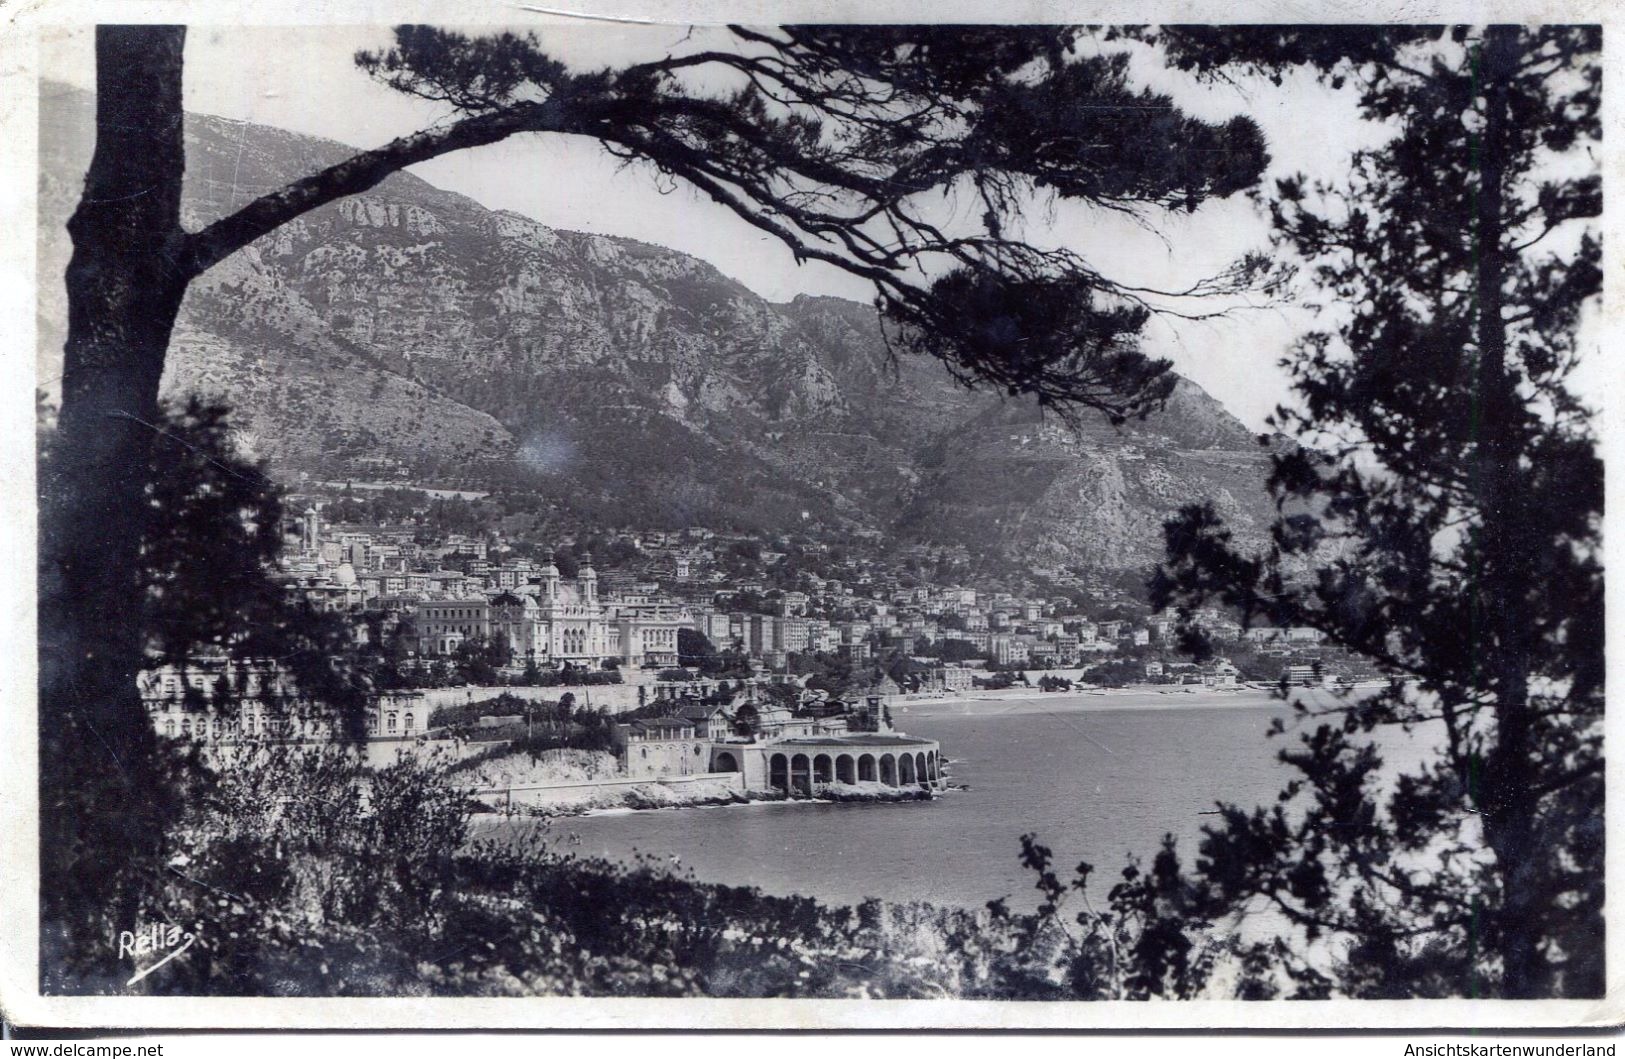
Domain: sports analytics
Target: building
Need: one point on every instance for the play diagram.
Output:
(1222, 673)
(759, 635)
(713, 722)
(223, 701)
(577, 625)
(794, 634)
(517, 617)
(443, 625)
(458, 544)
(661, 747)
(1265, 634)
(645, 632)
(769, 636)
(716, 627)
(1009, 650)
(310, 532)
(822, 636)
(551, 621)
(855, 652)
(800, 754)
(447, 584)
(954, 678)
(1303, 676)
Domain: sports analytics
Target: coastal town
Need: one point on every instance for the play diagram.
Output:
(774, 664)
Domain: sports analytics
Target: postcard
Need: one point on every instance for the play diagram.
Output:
(807, 517)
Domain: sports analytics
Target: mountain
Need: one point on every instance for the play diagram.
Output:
(626, 382)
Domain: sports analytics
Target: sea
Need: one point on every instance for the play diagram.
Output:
(1097, 778)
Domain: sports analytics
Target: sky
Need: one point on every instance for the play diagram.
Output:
(304, 79)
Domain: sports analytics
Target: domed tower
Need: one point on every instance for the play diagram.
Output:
(550, 582)
(311, 531)
(589, 581)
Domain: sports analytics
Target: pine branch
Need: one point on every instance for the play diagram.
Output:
(361, 172)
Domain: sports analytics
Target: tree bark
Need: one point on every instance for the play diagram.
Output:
(1507, 787)
(101, 807)
(560, 113)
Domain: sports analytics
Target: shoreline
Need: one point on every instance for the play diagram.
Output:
(616, 796)
(640, 802)
(609, 796)
(759, 799)
(1145, 697)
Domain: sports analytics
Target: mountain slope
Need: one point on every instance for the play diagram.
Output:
(629, 382)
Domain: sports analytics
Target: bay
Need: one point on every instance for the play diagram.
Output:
(1096, 778)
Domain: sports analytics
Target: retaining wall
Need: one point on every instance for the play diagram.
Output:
(617, 698)
(671, 790)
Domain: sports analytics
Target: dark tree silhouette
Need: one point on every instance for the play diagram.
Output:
(1448, 501)
(211, 540)
(479, 657)
(694, 648)
(827, 138)
(569, 568)
(746, 719)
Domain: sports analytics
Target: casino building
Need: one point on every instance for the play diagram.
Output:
(552, 621)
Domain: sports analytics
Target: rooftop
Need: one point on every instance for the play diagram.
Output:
(856, 739)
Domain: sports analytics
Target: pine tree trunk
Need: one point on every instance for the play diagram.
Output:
(101, 807)
(1505, 789)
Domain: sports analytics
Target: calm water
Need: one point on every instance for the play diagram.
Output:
(1095, 780)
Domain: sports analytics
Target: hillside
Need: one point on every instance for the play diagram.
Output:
(629, 382)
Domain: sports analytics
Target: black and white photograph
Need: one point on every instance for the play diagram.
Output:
(949, 523)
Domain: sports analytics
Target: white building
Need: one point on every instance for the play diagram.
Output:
(552, 621)
(222, 700)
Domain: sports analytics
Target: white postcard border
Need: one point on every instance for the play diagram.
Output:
(19, 997)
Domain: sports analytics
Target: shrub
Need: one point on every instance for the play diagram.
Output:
(303, 871)
(582, 737)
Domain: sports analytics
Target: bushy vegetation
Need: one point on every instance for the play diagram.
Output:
(468, 714)
(695, 649)
(474, 667)
(1115, 673)
(298, 871)
(540, 727)
(306, 874)
(582, 736)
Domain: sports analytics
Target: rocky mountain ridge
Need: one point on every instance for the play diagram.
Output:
(634, 384)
